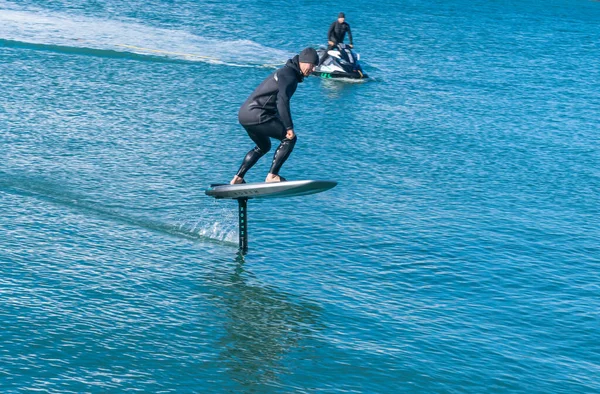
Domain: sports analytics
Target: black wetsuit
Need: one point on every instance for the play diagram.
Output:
(266, 114)
(337, 33)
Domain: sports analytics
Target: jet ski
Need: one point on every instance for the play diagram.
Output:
(339, 62)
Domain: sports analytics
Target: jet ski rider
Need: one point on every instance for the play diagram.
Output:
(266, 114)
(337, 32)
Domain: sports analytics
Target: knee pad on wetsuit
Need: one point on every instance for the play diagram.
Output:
(290, 142)
(285, 148)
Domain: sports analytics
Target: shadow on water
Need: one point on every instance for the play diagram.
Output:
(262, 326)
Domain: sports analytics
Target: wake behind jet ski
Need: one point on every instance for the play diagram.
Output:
(339, 62)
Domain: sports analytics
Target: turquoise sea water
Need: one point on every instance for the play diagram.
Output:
(458, 254)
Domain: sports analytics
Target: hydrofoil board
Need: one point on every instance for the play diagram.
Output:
(269, 190)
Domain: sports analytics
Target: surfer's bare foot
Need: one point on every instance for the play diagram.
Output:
(274, 178)
(236, 179)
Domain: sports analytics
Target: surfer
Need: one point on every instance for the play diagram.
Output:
(266, 114)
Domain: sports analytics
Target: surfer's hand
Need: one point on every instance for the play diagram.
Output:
(351, 46)
(290, 134)
(330, 42)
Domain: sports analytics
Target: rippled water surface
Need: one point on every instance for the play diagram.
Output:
(458, 253)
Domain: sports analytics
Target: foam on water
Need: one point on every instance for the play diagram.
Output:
(61, 32)
(219, 227)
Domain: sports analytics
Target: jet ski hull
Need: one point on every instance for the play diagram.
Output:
(336, 75)
(339, 62)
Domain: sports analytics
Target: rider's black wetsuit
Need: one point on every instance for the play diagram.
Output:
(337, 33)
(266, 114)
